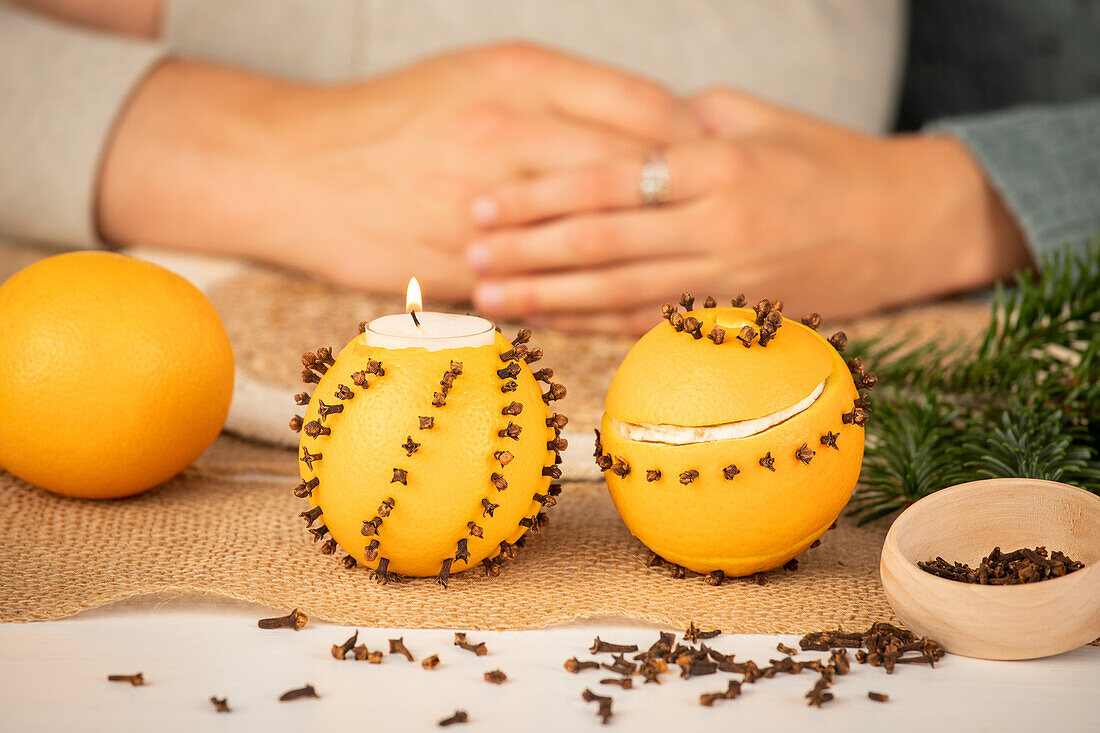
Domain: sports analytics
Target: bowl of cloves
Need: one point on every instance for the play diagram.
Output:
(998, 569)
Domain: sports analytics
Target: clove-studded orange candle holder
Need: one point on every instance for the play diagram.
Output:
(733, 437)
(428, 445)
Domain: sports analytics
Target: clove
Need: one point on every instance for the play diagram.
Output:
(730, 471)
(461, 553)
(400, 475)
(556, 392)
(397, 646)
(513, 408)
(221, 704)
(305, 488)
(804, 454)
(459, 716)
(475, 531)
(624, 683)
(533, 355)
(512, 431)
(653, 475)
(487, 508)
(740, 301)
(296, 423)
(311, 515)
(370, 552)
(430, 662)
(302, 398)
(299, 694)
(386, 507)
(496, 677)
(687, 300)
(688, 476)
(604, 705)
(371, 526)
(694, 634)
(325, 410)
(856, 417)
(812, 321)
(314, 428)
(599, 647)
(767, 461)
(717, 334)
(340, 651)
(575, 666)
(444, 572)
(715, 578)
(746, 335)
(308, 458)
(426, 423)
(478, 649)
(839, 340)
(829, 439)
(137, 680)
(409, 446)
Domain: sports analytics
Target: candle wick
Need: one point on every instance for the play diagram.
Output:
(413, 314)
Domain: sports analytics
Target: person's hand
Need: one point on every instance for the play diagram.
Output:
(775, 204)
(366, 183)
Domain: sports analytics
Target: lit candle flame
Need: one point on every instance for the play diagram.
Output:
(414, 301)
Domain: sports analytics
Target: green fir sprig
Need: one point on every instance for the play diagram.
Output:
(1023, 401)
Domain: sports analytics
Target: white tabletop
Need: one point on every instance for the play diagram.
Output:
(53, 677)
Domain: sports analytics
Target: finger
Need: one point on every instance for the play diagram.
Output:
(592, 91)
(542, 143)
(632, 322)
(614, 288)
(694, 168)
(584, 242)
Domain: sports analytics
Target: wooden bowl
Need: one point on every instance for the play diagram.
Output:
(964, 523)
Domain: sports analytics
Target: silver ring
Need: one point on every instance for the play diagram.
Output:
(653, 184)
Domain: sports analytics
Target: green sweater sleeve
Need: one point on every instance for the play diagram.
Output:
(1045, 163)
(61, 89)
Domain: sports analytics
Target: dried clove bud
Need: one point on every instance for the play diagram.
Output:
(400, 475)
(329, 547)
(654, 560)
(319, 533)
(456, 368)
(604, 705)
(370, 527)
(374, 367)
(508, 550)
(716, 577)
(781, 647)
(622, 682)
(397, 646)
(505, 457)
(439, 399)
(444, 572)
(519, 351)
(221, 704)
(688, 476)
(717, 334)
(829, 439)
(545, 500)
(361, 653)
(604, 462)
(552, 471)
(325, 410)
(740, 301)
(600, 647)
(492, 567)
(804, 454)
(426, 423)
(763, 308)
(767, 461)
(855, 417)
(311, 515)
(574, 665)
(448, 381)
(513, 408)
(340, 651)
(557, 444)
(302, 398)
(308, 458)
(620, 467)
(867, 380)
(461, 553)
(137, 680)
(299, 693)
(487, 508)
(730, 471)
(694, 634)
(359, 379)
(544, 375)
(557, 421)
(509, 371)
(694, 327)
(386, 507)
(409, 446)
(791, 565)
(555, 392)
(676, 320)
(767, 333)
(296, 423)
(878, 696)
(687, 300)
(305, 488)
(522, 336)
(498, 481)
(710, 302)
(653, 475)
(479, 649)
(310, 377)
(533, 355)
(496, 677)
(839, 340)
(460, 716)
(430, 662)
(512, 431)
(667, 310)
(475, 531)
(746, 335)
(314, 428)
(343, 392)
(370, 552)
(813, 321)
(349, 562)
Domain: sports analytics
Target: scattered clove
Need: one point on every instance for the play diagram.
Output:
(599, 647)
(137, 680)
(781, 647)
(430, 662)
(574, 665)
(496, 677)
(459, 716)
(397, 646)
(622, 682)
(878, 696)
(299, 694)
(694, 634)
(221, 704)
(479, 649)
(293, 620)
(604, 703)
(340, 651)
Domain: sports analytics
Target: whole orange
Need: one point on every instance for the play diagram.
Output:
(115, 373)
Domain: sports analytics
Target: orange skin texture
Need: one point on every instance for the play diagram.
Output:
(120, 370)
(759, 519)
(448, 475)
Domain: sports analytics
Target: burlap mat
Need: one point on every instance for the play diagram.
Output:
(208, 534)
(217, 530)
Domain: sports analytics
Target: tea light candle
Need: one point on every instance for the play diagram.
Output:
(429, 330)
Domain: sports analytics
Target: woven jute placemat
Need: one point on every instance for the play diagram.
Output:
(206, 532)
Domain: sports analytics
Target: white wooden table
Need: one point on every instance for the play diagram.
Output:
(53, 677)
